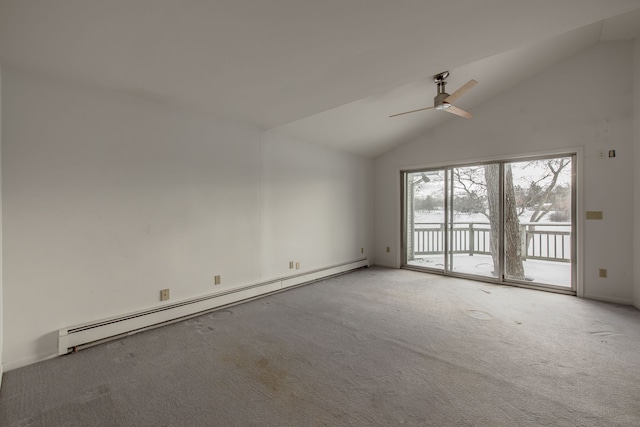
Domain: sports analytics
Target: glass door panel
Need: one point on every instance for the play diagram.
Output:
(474, 220)
(425, 219)
(538, 221)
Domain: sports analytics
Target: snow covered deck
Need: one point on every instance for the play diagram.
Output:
(537, 271)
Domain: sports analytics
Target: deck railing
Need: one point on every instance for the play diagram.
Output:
(548, 241)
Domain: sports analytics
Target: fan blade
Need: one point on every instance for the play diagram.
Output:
(412, 111)
(458, 112)
(457, 94)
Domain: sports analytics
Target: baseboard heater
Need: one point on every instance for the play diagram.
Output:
(77, 337)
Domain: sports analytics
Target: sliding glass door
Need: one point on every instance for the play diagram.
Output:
(539, 213)
(473, 208)
(503, 221)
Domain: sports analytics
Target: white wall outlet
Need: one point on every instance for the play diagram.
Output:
(290, 265)
(217, 280)
(164, 294)
(297, 265)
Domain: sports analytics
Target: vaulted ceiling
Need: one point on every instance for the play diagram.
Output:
(327, 71)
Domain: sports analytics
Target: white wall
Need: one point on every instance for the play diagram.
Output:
(318, 205)
(109, 199)
(565, 106)
(636, 138)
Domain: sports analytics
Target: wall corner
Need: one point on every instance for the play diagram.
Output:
(636, 172)
(1, 256)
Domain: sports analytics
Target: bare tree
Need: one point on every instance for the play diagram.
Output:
(541, 196)
(542, 199)
(512, 244)
(513, 267)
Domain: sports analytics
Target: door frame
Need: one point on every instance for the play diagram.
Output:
(577, 287)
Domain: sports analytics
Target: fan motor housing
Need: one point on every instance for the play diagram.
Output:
(438, 101)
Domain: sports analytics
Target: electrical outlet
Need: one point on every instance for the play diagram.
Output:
(297, 266)
(217, 280)
(164, 294)
(361, 250)
(290, 265)
(601, 154)
(602, 272)
(388, 249)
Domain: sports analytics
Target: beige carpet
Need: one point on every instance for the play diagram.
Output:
(376, 347)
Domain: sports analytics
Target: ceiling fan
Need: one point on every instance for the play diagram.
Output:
(444, 101)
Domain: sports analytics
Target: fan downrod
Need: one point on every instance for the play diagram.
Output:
(439, 100)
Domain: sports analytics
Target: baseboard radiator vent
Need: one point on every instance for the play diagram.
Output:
(77, 337)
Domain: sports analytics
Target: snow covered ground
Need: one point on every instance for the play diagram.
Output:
(437, 216)
(544, 272)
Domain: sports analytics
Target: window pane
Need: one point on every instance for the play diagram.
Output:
(537, 235)
(474, 220)
(425, 219)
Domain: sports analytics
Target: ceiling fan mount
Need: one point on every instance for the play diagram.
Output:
(443, 101)
(440, 77)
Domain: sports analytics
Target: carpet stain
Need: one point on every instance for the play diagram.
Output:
(94, 393)
(478, 314)
(604, 334)
(269, 376)
(221, 313)
(25, 422)
(127, 357)
(206, 330)
(262, 371)
(199, 326)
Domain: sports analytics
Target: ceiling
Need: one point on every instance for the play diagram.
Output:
(327, 71)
